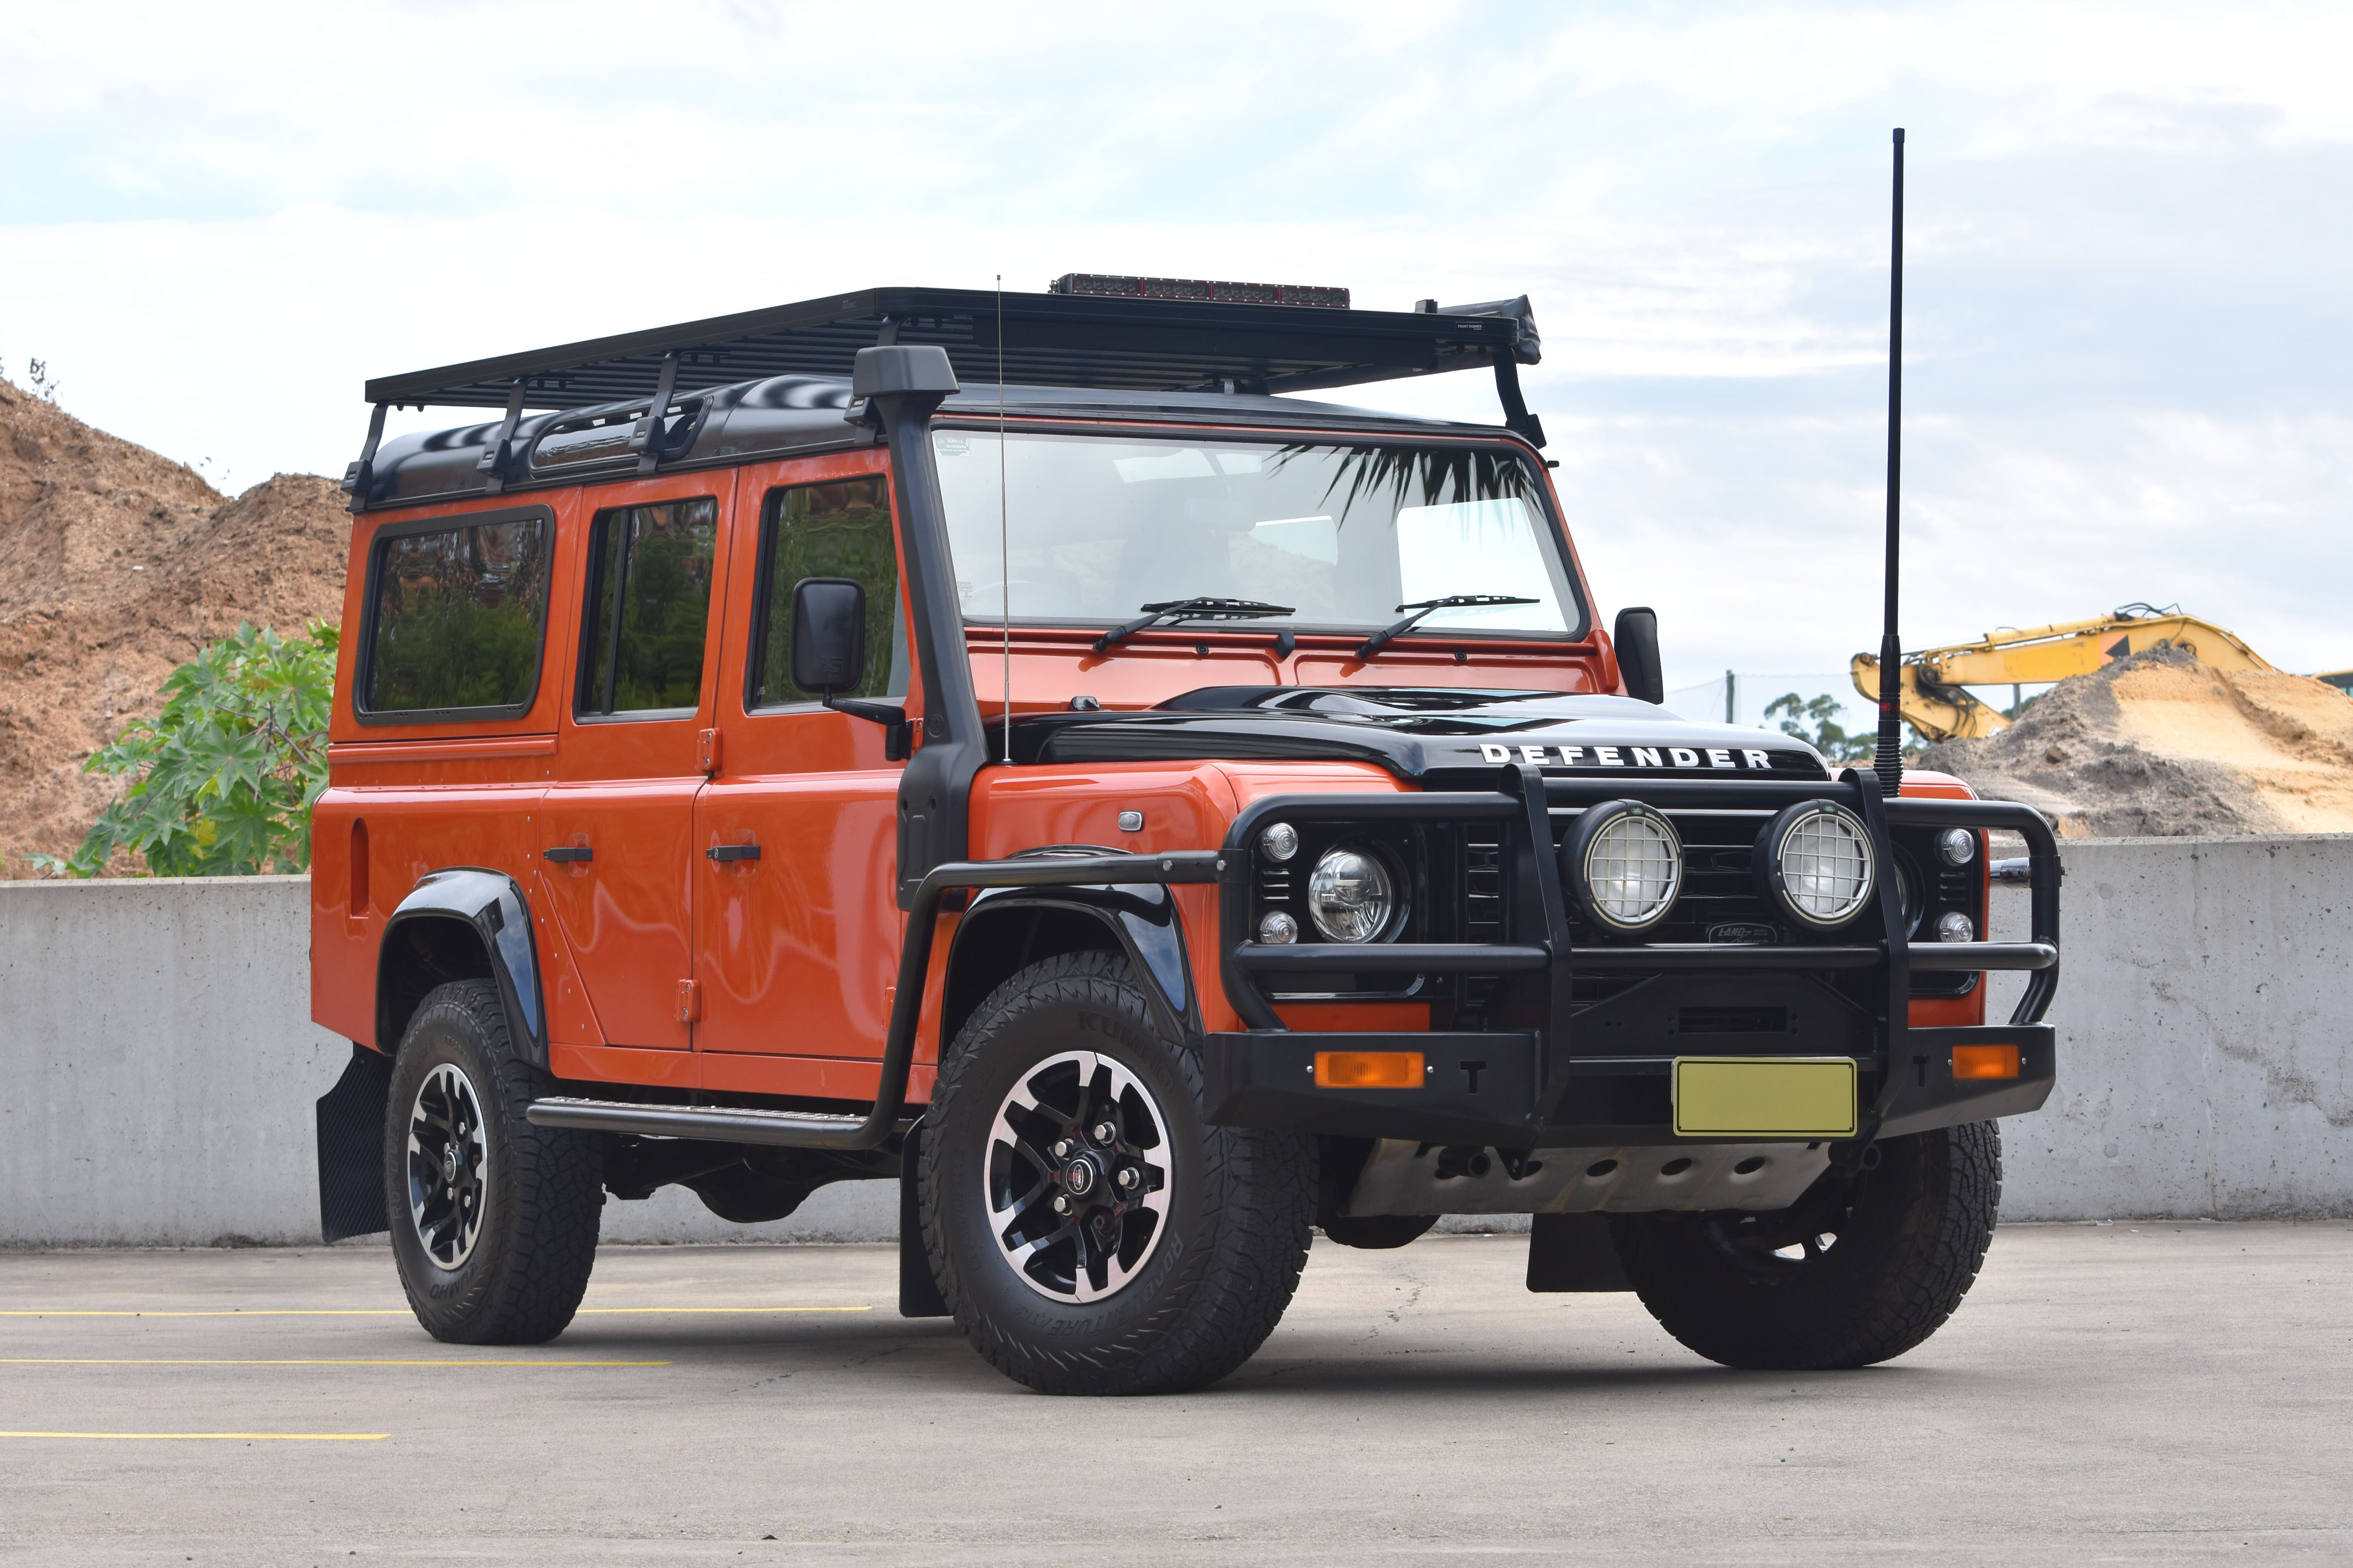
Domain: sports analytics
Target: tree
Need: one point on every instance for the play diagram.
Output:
(1828, 737)
(222, 779)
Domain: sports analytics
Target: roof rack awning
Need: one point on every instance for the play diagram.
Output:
(1050, 340)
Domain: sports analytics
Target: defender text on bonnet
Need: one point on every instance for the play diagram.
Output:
(1142, 816)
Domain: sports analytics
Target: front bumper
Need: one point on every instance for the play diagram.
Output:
(1574, 1077)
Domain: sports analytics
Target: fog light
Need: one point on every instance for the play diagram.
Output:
(1625, 864)
(1954, 926)
(1368, 1069)
(1349, 895)
(1278, 842)
(1984, 1061)
(1814, 862)
(1278, 927)
(1957, 845)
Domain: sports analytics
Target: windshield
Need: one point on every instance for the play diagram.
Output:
(1339, 535)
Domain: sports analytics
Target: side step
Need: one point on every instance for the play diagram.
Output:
(718, 1123)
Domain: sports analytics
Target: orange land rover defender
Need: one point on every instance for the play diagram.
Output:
(995, 744)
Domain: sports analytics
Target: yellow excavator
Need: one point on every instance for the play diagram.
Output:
(1935, 705)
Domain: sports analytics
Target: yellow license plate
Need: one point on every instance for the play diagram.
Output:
(1776, 1097)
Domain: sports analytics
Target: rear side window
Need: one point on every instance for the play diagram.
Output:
(455, 618)
(648, 608)
(836, 530)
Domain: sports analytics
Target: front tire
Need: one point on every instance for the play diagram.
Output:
(493, 1220)
(1176, 1244)
(1860, 1270)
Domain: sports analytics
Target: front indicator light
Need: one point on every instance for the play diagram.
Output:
(1981, 1061)
(1349, 895)
(1368, 1069)
(1625, 864)
(1814, 862)
(1957, 846)
(1278, 842)
(1954, 926)
(1278, 928)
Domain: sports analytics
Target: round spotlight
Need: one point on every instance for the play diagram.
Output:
(1957, 846)
(1278, 842)
(1814, 863)
(1278, 927)
(1954, 926)
(1624, 865)
(1349, 895)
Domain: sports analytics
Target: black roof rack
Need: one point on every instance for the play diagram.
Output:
(1056, 340)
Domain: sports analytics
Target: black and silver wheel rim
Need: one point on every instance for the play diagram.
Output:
(1076, 1179)
(448, 1166)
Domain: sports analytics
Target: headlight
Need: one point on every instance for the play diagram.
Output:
(1814, 862)
(1350, 895)
(1957, 845)
(1624, 865)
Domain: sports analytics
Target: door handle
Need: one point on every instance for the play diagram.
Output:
(723, 852)
(563, 853)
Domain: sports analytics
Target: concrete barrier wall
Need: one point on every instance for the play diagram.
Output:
(157, 1061)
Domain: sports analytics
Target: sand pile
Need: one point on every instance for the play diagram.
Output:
(116, 565)
(2159, 744)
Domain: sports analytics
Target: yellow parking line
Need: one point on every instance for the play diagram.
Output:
(216, 1437)
(289, 1360)
(390, 1311)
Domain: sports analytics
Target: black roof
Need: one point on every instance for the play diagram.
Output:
(1056, 340)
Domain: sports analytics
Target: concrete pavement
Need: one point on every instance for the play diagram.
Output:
(2165, 1393)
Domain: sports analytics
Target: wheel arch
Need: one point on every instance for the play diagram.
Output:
(1006, 931)
(462, 922)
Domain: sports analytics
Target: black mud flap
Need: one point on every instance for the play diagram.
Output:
(351, 1147)
(1568, 1252)
(919, 1293)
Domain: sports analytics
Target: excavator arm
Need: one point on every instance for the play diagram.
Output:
(1932, 681)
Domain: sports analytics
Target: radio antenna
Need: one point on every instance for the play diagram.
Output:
(1003, 526)
(1888, 760)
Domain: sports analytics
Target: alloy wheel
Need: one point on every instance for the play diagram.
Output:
(449, 1165)
(1076, 1177)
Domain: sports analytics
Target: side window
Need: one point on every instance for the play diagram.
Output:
(648, 608)
(455, 619)
(836, 530)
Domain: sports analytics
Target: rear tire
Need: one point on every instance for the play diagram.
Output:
(1859, 1270)
(493, 1220)
(1180, 1243)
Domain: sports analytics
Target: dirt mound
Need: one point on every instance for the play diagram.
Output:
(116, 565)
(2162, 745)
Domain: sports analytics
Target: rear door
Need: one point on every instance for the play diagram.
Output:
(617, 826)
(797, 948)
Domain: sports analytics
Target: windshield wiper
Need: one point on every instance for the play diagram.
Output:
(1382, 638)
(1195, 609)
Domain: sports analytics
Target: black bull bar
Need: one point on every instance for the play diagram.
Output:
(1539, 1085)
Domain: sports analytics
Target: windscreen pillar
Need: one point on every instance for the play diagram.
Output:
(901, 385)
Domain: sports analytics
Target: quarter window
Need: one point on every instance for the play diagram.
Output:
(836, 530)
(648, 608)
(456, 618)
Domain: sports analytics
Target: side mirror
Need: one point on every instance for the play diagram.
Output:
(829, 633)
(1637, 654)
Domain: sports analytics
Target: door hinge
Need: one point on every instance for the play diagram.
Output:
(689, 1001)
(706, 750)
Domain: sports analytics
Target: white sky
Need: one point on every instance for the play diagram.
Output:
(2128, 323)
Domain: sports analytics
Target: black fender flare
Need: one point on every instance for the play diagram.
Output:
(492, 906)
(1143, 924)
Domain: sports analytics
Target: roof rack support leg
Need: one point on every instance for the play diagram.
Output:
(645, 440)
(362, 474)
(1517, 418)
(494, 461)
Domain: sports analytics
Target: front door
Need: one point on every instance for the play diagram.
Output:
(617, 861)
(798, 946)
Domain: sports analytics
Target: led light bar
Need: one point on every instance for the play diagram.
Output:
(1106, 285)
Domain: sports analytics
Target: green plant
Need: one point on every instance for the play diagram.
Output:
(1827, 737)
(222, 781)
